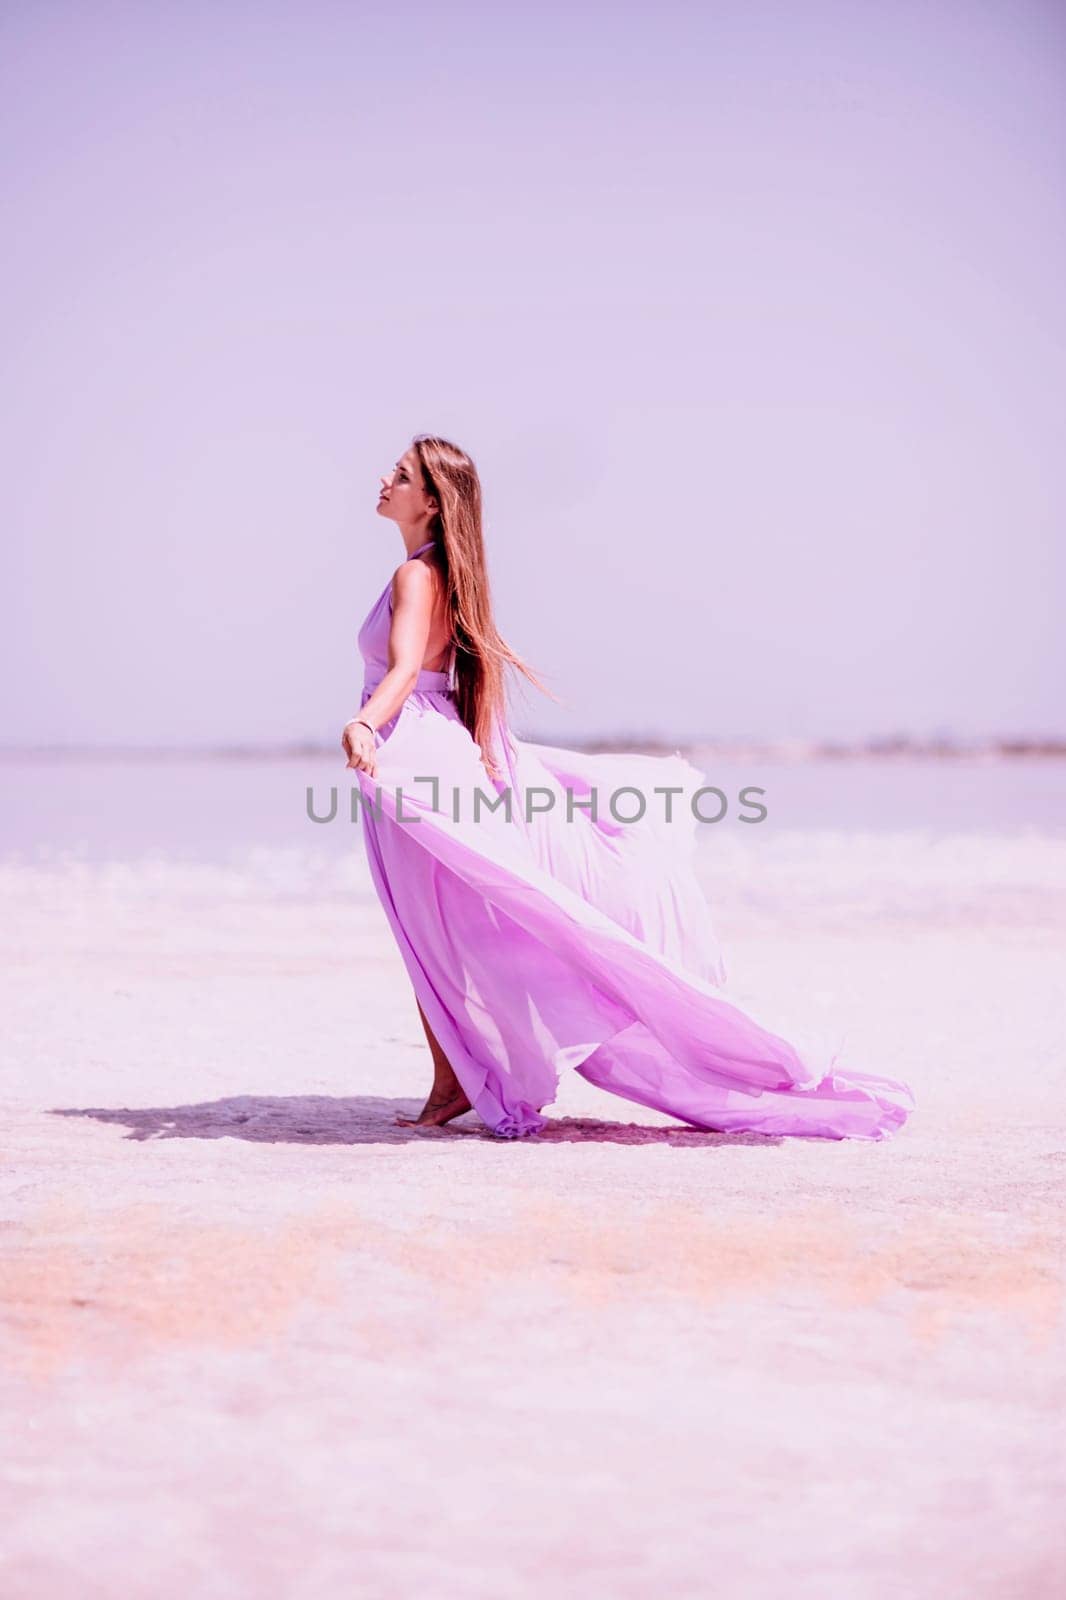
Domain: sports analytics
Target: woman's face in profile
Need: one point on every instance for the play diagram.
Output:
(402, 495)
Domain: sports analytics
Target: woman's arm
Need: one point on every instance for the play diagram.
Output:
(413, 593)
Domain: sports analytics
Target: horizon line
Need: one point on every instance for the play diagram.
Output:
(939, 746)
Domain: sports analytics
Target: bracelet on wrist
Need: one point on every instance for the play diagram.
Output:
(362, 721)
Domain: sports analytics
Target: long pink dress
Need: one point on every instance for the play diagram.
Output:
(539, 941)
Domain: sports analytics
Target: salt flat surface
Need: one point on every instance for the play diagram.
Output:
(259, 1341)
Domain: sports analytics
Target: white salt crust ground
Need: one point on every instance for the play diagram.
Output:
(257, 1341)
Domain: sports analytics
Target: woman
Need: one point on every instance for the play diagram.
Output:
(538, 929)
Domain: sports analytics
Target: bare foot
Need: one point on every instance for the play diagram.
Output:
(437, 1110)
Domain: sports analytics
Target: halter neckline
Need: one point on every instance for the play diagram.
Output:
(427, 546)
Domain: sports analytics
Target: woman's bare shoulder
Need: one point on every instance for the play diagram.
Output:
(415, 580)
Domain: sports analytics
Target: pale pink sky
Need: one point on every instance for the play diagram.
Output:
(750, 314)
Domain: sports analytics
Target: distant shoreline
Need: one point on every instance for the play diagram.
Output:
(894, 748)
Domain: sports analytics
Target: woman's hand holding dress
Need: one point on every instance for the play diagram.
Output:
(359, 746)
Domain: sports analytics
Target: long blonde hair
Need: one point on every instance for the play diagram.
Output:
(481, 655)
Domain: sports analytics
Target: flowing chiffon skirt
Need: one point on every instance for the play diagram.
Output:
(573, 941)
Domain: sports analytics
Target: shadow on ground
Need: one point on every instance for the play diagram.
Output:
(367, 1119)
